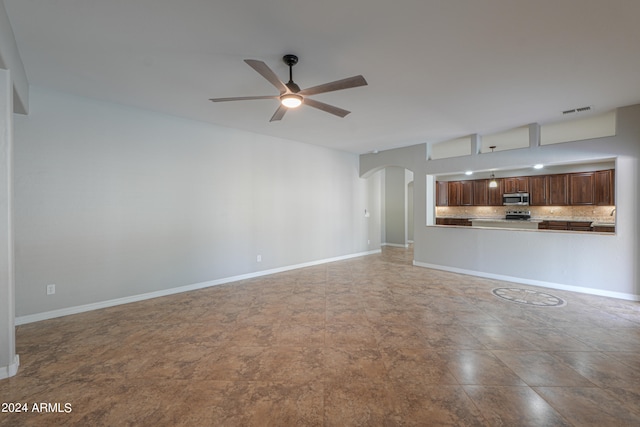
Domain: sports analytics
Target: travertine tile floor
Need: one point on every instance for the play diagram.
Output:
(371, 341)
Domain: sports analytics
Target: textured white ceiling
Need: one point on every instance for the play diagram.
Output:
(437, 70)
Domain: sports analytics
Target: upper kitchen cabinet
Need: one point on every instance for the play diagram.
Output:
(549, 190)
(466, 195)
(592, 188)
(582, 188)
(481, 192)
(518, 184)
(558, 190)
(604, 191)
(495, 193)
(442, 193)
(561, 189)
(538, 190)
(460, 193)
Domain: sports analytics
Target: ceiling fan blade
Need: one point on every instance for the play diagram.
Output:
(267, 73)
(279, 113)
(243, 98)
(347, 83)
(326, 107)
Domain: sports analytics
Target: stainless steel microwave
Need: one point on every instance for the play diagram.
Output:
(518, 199)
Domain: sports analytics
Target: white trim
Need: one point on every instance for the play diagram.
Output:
(30, 318)
(396, 245)
(11, 370)
(551, 285)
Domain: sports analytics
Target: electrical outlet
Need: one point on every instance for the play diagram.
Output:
(51, 289)
(259, 258)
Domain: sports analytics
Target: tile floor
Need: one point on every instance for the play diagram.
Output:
(371, 341)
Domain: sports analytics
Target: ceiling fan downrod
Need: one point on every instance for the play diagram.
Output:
(291, 60)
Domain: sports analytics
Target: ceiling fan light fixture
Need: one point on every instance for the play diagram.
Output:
(291, 100)
(290, 94)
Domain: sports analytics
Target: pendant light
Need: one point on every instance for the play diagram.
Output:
(493, 183)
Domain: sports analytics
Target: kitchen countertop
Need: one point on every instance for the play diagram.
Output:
(505, 220)
(598, 222)
(505, 223)
(569, 219)
(533, 223)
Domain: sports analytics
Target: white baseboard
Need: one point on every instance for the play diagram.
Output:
(395, 245)
(11, 370)
(30, 318)
(524, 281)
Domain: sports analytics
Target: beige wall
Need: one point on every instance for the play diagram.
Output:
(587, 262)
(113, 202)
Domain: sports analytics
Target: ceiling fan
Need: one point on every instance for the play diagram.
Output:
(291, 96)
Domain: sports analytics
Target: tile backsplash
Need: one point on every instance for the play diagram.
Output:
(575, 213)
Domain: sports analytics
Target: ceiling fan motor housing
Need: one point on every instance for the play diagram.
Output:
(293, 87)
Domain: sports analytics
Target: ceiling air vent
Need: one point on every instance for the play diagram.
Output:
(578, 110)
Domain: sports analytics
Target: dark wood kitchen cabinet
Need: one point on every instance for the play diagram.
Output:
(549, 190)
(579, 225)
(544, 225)
(538, 190)
(454, 221)
(557, 225)
(460, 193)
(495, 193)
(565, 225)
(481, 192)
(592, 188)
(558, 190)
(442, 193)
(585, 188)
(453, 193)
(582, 188)
(604, 187)
(466, 194)
(518, 184)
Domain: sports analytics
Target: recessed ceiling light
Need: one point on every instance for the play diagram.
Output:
(538, 166)
(468, 173)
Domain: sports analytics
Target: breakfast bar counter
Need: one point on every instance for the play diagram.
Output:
(528, 224)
